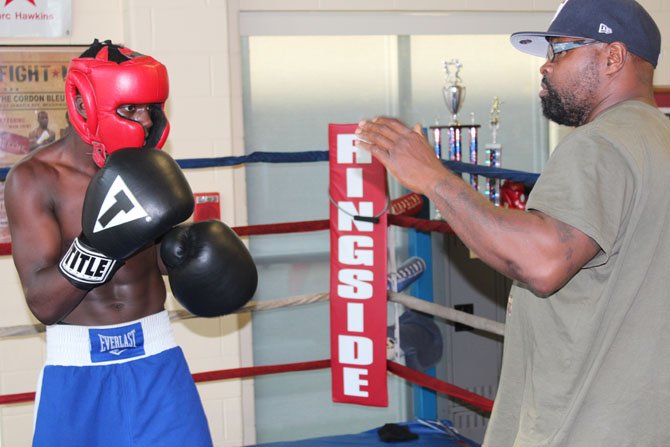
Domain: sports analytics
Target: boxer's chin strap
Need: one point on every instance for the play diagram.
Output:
(158, 128)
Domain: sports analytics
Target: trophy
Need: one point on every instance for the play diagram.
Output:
(493, 150)
(450, 136)
(453, 90)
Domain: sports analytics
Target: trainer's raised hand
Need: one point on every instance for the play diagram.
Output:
(403, 151)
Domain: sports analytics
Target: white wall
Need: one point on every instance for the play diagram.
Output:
(192, 40)
(659, 9)
(198, 42)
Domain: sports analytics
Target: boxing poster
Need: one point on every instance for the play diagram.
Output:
(358, 282)
(32, 105)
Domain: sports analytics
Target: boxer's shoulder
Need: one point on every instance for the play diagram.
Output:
(44, 161)
(27, 176)
(45, 176)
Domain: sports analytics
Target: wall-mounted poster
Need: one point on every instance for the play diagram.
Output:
(32, 104)
(35, 18)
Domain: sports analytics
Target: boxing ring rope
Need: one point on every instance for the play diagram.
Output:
(400, 214)
(311, 156)
(418, 378)
(446, 313)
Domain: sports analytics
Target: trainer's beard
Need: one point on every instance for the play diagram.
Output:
(566, 110)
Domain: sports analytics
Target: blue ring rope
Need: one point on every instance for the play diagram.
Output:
(311, 156)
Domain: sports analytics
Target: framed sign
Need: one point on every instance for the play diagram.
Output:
(31, 18)
(662, 97)
(32, 104)
(32, 99)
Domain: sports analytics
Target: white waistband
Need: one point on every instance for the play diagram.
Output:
(70, 345)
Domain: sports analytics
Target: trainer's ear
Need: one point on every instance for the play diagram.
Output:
(617, 53)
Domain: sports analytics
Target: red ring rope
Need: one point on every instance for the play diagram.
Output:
(409, 204)
(430, 382)
(415, 377)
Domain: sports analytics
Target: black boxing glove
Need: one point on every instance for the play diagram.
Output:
(85, 267)
(134, 199)
(211, 272)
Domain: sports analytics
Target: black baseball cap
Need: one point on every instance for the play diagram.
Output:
(608, 21)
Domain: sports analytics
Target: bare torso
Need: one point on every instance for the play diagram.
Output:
(44, 195)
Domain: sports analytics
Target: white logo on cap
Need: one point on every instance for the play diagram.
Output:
(558, 11)
(604, 29)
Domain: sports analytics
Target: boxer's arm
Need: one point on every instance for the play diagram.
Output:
(531, 247)
(159, 261)
(36, 245)
(32, 139)
(211, 271)
(130, 202)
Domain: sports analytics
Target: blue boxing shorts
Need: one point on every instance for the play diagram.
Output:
(115, 386)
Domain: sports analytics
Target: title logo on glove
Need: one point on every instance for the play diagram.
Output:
(119, 207)
(86, 266)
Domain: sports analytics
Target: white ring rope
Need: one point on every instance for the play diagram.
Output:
(408, 301)
(448, 313)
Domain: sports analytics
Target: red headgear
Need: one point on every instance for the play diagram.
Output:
(108, 76)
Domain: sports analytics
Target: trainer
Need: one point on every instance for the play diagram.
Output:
(85, 213)
(586, 357)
